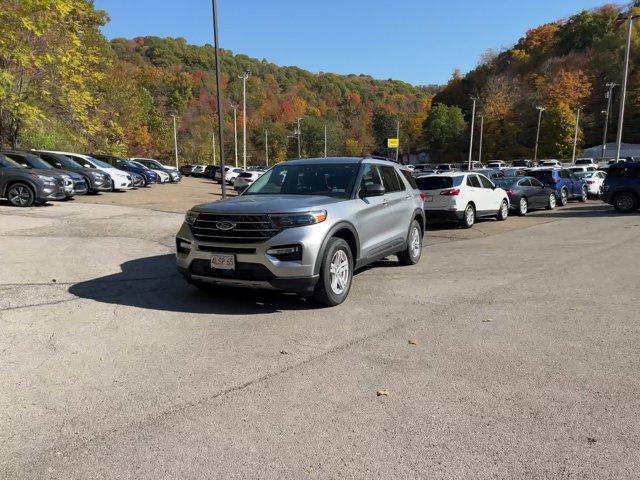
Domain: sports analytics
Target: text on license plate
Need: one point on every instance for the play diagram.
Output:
(223, 262)
(428, 198)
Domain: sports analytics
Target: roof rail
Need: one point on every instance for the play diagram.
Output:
(380, 157)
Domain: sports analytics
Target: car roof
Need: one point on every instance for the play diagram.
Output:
(625, 165)
(338, 160)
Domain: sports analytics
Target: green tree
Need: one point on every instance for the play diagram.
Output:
(444, 130)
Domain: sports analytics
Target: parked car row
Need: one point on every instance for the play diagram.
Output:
(237, 177)
(37, 176)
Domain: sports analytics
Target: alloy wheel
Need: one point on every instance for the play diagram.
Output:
(19, 195)
(339, 272)
(414, 242)
(552, 201)
(524, 206)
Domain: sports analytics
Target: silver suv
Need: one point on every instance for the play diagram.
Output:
(305, 226)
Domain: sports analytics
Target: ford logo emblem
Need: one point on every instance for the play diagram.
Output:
(225, 225)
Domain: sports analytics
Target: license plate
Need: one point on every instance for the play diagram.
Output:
(223, 262)
(428, 198)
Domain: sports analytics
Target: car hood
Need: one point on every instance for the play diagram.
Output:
(113, 171)
(255, 204)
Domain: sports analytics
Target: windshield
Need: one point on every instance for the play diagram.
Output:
(100, 163)
(62, 160)
(6, 162)
(584, 162)
(37, 162)
(331, 180)
(506, 182)
(437, 182)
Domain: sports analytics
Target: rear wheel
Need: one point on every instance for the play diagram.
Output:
(468, 217)
(336, 273)
(625, 202)
(411, 255)
(584, 195)
(564, 197)
(552, 202)
(503, 213)
(523, 206)
(21, 195)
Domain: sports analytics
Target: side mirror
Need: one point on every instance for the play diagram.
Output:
(374, 190)
(86, 165)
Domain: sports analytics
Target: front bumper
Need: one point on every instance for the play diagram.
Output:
(80, 187)
(57, 192)
(254, 267)
(122, 183)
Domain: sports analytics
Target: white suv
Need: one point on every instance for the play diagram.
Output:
(120, 180)
(462, 196)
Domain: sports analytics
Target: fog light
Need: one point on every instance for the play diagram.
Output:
(286, 252)
(183, 246)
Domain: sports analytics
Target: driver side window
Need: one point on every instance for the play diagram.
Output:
(370, 177)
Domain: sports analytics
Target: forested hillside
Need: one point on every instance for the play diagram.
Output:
(70, 88)
(558, 66)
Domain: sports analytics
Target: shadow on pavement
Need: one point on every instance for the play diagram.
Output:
(153, 283)
(581, 210)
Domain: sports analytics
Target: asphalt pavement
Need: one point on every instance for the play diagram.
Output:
(510, 351)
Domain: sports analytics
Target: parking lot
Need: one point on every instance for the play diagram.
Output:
(510, 350)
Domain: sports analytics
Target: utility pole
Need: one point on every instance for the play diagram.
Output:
(235, 131)
(609, 95)
(535, 152)
(244, 77)
(325, 140)
(473, 121)
(175, 139)
(398, 137)
(214, 7)
(575, 136)
(481, 134)
(623, 95)
(266, 146)
(213, 141)
(299, 136)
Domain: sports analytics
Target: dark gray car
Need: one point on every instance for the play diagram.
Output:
(97, 181)
(24, 187)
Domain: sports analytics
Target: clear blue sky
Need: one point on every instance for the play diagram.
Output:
(419, 41)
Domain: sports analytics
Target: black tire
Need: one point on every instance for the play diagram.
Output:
(329, 291)
(564, 197)
(584, 196)
(523, 207)
(553, 202)
(468, 217)
(625, 202)
(21, 195)
(412, 254)
(503, 213)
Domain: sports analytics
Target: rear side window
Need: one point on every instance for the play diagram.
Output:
(486, 183)
(435, 182)
(472, 181)
(525, 182)
(542, 175)
(409, 178)
(390, 179)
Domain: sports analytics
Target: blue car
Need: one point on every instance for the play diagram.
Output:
(149, 175)
(563, 182)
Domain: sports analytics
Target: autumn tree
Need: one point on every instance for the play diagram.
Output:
(444, 130)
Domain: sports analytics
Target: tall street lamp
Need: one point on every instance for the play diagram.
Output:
(325, 140)
(481, 134)
(175, 139)
(244, 77)
(235, 131)
(473, 121)
(535, 152)
(575, 135)
(214, 8)
(625, 77)
(609, 95)
(266, 147)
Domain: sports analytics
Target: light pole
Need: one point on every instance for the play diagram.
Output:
(235, 131)
(575, 135)
(325, 140)
(244, 77)
(623, 95)
(480, 143)
(299, 136)
(535, 152)
(266, 147)
(473, 122)
(175, 139)
(213, 141)
(398, 137)
(610, 86)
(219, 95)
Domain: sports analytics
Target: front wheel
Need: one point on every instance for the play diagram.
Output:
(584, 195)
(503, 213)
(411, 255)
(21, 195)
(552, 202)
(336, 273)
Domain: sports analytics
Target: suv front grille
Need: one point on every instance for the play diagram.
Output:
(245, 228)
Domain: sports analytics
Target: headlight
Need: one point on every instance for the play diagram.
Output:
(191, 217)
(47, 179)
(288, 220)
(97, 175)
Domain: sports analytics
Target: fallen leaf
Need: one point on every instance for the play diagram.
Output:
(487, 320)
(413, 342)
(54, 280)
(384, 392)
(284, 352)
(591, 440)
